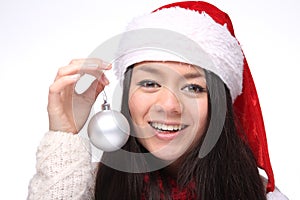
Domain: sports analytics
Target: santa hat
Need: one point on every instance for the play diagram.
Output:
(212, 32)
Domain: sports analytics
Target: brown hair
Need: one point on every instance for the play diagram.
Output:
(227, 172)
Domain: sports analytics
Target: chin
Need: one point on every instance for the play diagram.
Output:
(166, 157)
(168, 152)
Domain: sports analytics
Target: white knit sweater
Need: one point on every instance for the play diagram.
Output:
(64, 170)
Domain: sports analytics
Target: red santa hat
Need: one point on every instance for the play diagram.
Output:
(212, 30)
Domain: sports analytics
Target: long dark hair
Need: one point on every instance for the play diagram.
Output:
(227, 172)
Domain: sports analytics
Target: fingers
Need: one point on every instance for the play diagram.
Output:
(63, 115)
(58, 87)
(68, 76)
(63, 82)
(97, 86)
(92, 66)
(91, 62)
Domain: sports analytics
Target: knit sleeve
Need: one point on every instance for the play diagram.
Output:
(63, 169)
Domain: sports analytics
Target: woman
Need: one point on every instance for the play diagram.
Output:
(195, 128)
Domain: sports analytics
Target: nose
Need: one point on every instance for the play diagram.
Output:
(168, 102)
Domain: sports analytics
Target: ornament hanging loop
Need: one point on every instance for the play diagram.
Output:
(105, 105)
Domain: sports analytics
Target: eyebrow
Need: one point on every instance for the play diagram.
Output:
(148, 69)
(191, 75)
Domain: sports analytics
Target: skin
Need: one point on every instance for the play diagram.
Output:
(173, 94)
(168, 93)
(63, 111)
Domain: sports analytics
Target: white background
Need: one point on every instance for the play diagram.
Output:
(38, 37)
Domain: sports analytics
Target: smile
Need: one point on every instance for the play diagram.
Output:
(167, 127)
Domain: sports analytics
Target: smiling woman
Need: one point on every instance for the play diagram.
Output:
(196, 126)
(159, 99)
(168, 106)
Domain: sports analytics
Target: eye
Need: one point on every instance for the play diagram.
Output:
(194, 88)
(148, 84)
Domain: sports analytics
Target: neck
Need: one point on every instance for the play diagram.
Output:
(173, 169)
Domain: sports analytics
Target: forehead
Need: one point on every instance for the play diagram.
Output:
(168, 67)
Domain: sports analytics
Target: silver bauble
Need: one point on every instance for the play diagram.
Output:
(108, 130)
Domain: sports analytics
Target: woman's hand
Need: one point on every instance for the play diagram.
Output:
(67, 110)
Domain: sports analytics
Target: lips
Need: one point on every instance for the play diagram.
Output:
(167, 131)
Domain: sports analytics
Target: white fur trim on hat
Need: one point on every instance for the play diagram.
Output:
(217, 50)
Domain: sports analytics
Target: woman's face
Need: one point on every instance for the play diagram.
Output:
(168, 104)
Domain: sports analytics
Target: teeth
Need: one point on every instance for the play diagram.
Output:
(164, 127)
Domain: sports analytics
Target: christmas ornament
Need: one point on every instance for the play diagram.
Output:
(108, 129)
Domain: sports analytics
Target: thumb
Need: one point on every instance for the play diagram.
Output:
(97, 87)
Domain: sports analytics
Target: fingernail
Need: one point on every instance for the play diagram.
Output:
(107, 65)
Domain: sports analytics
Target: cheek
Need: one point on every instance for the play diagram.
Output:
(199, 115)
(138, 106)
(203, 111)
